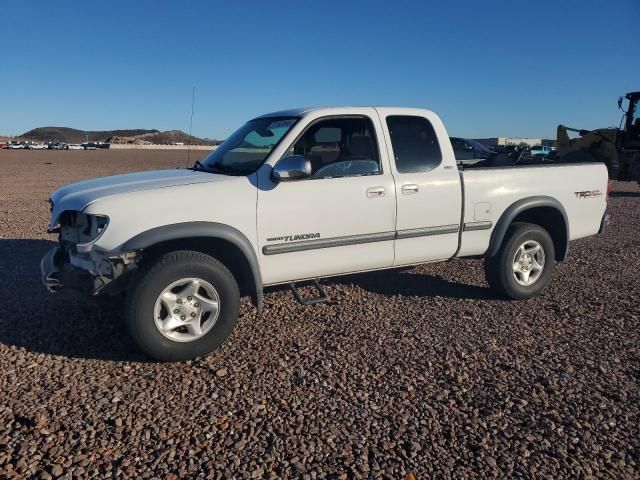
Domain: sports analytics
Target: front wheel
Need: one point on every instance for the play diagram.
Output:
(182, 307)
(523, 265)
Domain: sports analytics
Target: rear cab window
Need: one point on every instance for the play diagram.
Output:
(414, 142)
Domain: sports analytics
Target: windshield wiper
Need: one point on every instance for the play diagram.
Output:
(216, 168)
(201, 167)
(227, 169)
(198, 166)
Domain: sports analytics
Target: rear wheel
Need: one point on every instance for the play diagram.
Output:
(523, 265)
(182, 307)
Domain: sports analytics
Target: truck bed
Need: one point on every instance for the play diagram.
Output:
(581, 188)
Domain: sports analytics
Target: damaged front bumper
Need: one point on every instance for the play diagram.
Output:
(50, 273)
(92, 273)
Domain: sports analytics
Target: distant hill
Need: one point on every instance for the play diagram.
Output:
(72, 135)
(169, 137)
(135, 136)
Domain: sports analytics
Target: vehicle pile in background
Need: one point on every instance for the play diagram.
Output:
(473, 153)
(14, 145)
(618, 148)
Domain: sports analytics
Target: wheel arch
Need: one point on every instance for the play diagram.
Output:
(226, 243)
(540, 210)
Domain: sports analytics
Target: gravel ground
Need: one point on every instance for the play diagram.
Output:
(417, 373)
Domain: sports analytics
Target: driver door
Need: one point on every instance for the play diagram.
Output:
(339, 220)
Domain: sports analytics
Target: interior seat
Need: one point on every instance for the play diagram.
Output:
(359, 149)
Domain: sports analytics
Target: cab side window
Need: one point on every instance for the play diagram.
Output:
(415, 144)
(340, 147)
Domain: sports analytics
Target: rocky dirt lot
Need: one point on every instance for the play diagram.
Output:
(420, 372)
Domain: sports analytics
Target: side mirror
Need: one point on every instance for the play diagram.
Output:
(294, 167)
(468, 147)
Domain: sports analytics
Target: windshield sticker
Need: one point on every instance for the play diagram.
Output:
(281, 124)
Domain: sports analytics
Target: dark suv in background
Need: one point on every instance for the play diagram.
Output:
(466, 150)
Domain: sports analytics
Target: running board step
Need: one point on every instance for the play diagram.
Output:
(321, 298)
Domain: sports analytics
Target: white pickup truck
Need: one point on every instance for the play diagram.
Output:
(303, 194)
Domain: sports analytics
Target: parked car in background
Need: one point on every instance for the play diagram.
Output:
(15, 146)
(56, 146)
(73, 146)
(469, 151)
(37, 146)
(541, 151)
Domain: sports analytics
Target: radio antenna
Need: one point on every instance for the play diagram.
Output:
(193, 101)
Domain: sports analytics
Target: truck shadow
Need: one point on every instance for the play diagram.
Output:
(403, 281)
(620, 194)
(409, 283)
(76, 326)
(64, 323)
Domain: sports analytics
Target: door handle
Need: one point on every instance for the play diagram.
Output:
(375, 192)
(409, 189)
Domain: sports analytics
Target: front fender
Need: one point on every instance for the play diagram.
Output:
(212, 230)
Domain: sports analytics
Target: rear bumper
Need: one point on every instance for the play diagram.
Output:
(604, 224)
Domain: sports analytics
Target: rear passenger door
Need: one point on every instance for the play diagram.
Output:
(427, 186)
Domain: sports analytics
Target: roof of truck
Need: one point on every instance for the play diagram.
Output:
(302, 111)
(292, 112)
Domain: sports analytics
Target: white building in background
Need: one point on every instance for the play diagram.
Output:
(532, 142)
(504, 141)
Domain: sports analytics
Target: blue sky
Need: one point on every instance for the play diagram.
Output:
(491, 68)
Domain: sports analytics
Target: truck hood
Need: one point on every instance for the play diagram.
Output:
(76, 196)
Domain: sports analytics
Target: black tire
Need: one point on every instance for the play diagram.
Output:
(499, 271)
(153, 280)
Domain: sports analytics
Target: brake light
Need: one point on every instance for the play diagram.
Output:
(608, 188)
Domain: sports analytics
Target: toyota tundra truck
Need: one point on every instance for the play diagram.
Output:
(300, 195)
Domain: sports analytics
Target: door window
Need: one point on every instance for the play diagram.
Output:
(415, 144)
(340, 147)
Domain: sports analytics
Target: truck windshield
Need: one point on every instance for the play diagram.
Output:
(245, 150)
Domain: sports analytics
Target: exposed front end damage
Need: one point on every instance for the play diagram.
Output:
(90, 256)
(92, 274)
(78, 264)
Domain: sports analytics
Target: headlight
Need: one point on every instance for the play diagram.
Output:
(80, 228)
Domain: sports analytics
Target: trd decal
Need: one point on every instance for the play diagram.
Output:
(588, 194)
(294, 238)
